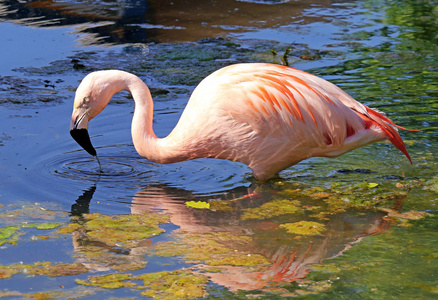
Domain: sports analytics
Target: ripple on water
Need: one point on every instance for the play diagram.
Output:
(112, 168)
(121, 166)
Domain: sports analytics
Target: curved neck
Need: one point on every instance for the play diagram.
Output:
(141, 127)
(145, 141)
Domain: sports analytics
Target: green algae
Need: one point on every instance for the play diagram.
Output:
(27, 213)
(68, 228)
(102, 238)
(325, 268)
(370, 184)
(42, 226)
(319, 286)
(8, 271)
(192, 247)
(104, 257)
(209, 269)
(6, 233)
(214, 249)
(340, 197)
(44, 295)
(239, 259)
(42, 268)
(220, 205)
(272, 209)
(11, 234)
(17, 222)
(109, 281)
(198, 204)
(55, 270)
(125, 230)
(75, 293)
(130, 266)
(43, 237)
(179, 284)
(304, 228)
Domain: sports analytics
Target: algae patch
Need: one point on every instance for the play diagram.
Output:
(214, 249)
(272, 209)
(55, 270)
(109, 281)
(304, 228)
(120, 230)
(239, 259)
(198, 204)
(178, 284)
(7, 234)
(103, 240)
(16, 221)
(42, 268)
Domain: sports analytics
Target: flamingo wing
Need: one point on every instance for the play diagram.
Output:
(285, 101)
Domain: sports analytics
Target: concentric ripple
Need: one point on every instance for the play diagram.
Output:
(110, 166)
(120, 168)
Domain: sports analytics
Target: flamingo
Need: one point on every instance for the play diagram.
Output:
(267, 116)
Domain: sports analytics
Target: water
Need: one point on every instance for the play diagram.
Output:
(376, 213)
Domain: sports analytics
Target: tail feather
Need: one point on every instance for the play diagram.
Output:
(386, 119)
(388, 128)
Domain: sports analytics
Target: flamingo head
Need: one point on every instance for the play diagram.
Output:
(92, 95)
(79, 129)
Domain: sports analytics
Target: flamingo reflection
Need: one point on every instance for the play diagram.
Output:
(290, 256)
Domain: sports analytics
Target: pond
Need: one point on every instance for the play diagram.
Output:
(363, 225)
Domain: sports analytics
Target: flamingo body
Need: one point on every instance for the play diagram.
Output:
(267, 116)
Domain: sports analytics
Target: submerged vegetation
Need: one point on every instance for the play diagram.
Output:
(304, 227)
(179, 284)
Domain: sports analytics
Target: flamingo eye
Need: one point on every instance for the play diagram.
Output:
(86, 100)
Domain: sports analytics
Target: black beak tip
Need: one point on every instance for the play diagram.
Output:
(83, 139)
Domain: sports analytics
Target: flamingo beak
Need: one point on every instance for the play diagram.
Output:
(79, 131)
(83, 139)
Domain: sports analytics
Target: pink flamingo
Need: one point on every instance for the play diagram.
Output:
(267, 116)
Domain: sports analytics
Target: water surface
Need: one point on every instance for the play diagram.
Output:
(374, 213)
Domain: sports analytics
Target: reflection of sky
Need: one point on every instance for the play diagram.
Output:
(24, 46)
